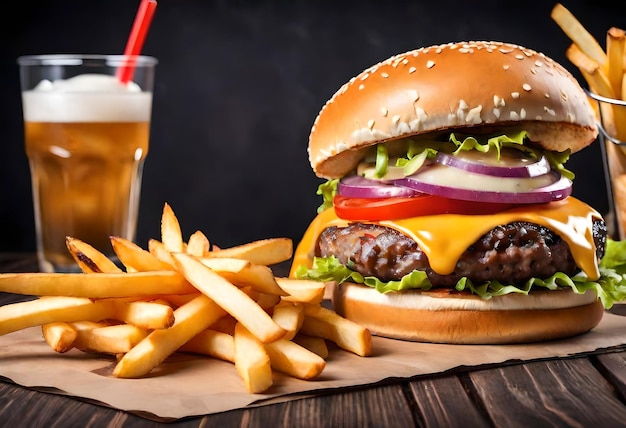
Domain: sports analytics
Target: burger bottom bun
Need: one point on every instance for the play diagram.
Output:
(445, 316)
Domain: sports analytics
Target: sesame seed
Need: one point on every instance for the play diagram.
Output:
(549, 111)
(395, 119)
(361, 87)
(538, 63)
(547, 95)
(506, 66)
(412, 70)
(522, 114)
(496, 112)
(563, 95)
(519, 56)
(506, 50)
(370, 123)
(384, 75)
(384, 111)
(515, 95)
(533, 71)
(526, 87)
(570, 117)
(430, 64)
(413, 95)
(513, 115)
(463, 105)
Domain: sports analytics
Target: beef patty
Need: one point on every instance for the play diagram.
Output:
(511, 253)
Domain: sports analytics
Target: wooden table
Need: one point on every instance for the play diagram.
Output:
(583, 391)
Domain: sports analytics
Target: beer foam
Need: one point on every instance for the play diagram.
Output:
(86, 98)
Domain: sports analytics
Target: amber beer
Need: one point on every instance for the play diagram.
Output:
(86, 139)
(87, 179)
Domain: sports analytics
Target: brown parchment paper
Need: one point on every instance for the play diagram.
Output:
(189, 385)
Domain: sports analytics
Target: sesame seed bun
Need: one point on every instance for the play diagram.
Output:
(447, 87)
(443, 317)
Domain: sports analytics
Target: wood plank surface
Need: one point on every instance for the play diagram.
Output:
(444, 402)
(565, 392)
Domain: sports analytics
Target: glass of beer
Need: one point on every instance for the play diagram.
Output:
(86, 133)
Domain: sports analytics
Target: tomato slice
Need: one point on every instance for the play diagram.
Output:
(415, 206)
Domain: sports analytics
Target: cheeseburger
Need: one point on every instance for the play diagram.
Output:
(447, 214)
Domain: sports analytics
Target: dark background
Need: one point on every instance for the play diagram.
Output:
(239, 84)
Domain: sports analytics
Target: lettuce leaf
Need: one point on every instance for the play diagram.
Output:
(610, 287)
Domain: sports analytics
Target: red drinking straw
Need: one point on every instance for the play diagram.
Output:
(136, 39)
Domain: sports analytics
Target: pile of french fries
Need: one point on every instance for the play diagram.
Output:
(604, 70)
(179, 296)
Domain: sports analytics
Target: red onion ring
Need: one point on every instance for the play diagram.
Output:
(359, 187)
(521, 169)
(560, 189)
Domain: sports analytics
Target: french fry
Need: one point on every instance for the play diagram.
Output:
(198, 244)
(322, 322)
(615, 42)
(572, 27)
(59, 335)
(97, 285)
(251, 361)
(243, 273)
(136, 258)
(290, 317)
(264, 252)
(213, 343)
(158, 249)
(171, 234)
(294, 360)
(225, 324)
(313, 344)
(18, 316)
(88, 258)
(147, 315)
(301, 290)
(190, 319)
(109, 339)
(230, 298)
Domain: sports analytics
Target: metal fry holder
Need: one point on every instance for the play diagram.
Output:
(605, 137)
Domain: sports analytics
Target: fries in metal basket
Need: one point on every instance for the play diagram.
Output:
(178, 296)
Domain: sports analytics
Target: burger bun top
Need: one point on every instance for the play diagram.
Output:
(454, 86)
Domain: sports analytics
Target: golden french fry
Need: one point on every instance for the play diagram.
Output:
(177, 300)
(171, 235)
(110, 339)
(226, 324)
(294, 360)
(136, 258)
(158, 250)
(214, 343)
(264, 252)
(251, 361)
(59, 335)
(615, 45)
(313, 344)
(572, 27)
(289, 316)
(259, 277)
(88, 258)
(230, 298)
(322, 322)
(18, 316)
(147, 315)
(302, 290)
(96, 285)
(190, 319)
(225, 264)
(198, 244)
(267, 301)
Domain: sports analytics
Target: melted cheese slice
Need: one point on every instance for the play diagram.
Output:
(444, 237)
